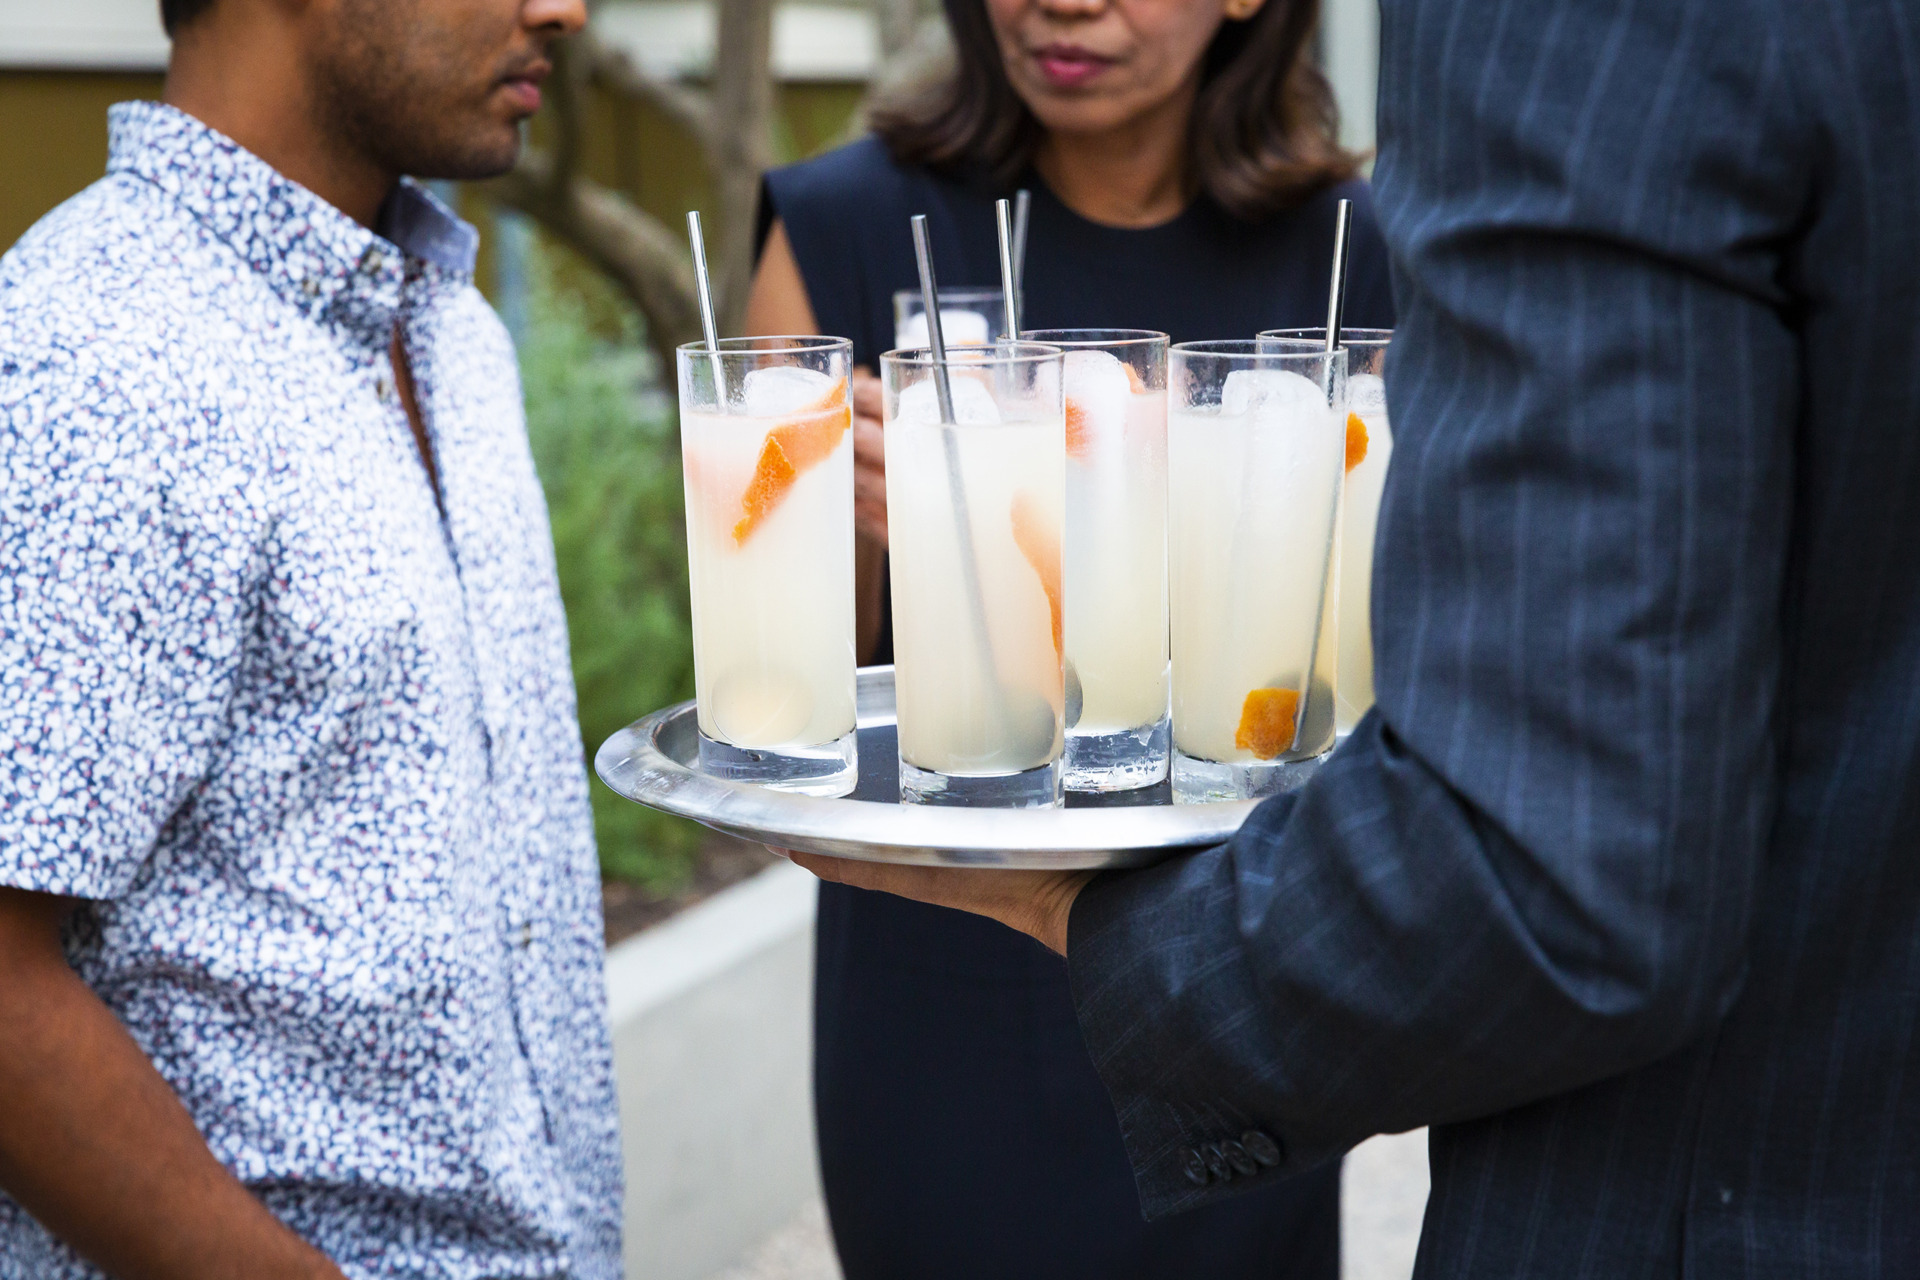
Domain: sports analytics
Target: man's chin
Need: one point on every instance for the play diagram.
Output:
(481, 157)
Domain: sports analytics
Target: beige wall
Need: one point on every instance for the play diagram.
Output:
(53, 141)
(53, 137)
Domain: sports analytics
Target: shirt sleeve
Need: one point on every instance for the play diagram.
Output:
(1535, 864)
(122, 609)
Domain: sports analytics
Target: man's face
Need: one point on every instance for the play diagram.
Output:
(435, 88)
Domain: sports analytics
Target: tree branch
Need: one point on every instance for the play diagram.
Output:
(647, 261)
(567, 76)
(733, 123)
(686, 107)
(742, 141)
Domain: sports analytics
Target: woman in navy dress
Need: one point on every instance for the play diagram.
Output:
(1184, 173)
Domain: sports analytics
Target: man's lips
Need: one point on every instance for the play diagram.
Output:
(522, 87)
(1068, 66)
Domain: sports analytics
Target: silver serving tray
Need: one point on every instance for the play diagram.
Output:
(651, 762)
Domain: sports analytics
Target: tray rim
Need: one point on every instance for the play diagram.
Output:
(633, 765)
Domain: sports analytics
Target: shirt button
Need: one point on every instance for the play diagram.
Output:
(374, 261)
(383, 387)
(1261, 1147)
(526, 935)
(1194, 1167)
(1216, 1161)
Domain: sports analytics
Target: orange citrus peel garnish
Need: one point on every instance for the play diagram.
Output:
(1267, 720)
(1079, 433)
(1356, 441)
(1079, 436)
(773, 475)
(1039, 542)
(792, 448)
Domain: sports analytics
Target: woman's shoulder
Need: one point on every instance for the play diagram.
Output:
(845, 179)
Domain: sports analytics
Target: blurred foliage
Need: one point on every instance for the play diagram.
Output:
(606, 443)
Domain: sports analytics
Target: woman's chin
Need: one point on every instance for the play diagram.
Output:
(1079, 114)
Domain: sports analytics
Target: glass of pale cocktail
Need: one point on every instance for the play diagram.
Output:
(1369, 447)
(768, 451)
(1117, 721)
(969, 317)
(1256, 444)
(975, 500)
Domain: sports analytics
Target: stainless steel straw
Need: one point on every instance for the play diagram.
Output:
(936, 335)
(703, 285)
(943, 389)
(1009, 273)
(1336, 310)
(1337, 291)
(1022, 206)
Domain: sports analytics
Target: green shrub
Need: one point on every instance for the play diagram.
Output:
(605, 441)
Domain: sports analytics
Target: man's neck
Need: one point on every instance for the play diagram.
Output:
(218, 81)
(1132, 176)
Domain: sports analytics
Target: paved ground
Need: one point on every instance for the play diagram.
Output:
(801, 1250)
(1383, 1191)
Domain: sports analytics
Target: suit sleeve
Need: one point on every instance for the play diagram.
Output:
(1535, 864)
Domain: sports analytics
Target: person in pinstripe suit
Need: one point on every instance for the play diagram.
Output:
(1619, 886)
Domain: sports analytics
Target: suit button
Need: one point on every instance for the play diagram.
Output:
(1194, 1167)
(1216, 1161)
(1237, 1157)
(1261, 1147)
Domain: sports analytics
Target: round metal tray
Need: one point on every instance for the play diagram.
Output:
(650, 762)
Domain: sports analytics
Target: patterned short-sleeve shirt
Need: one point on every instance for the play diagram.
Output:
(305, 742)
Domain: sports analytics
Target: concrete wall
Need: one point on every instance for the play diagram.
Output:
(1350, 53)
(713, 1047)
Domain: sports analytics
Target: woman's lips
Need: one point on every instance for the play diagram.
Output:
(1069, 67)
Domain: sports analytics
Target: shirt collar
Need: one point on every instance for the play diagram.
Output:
(323, 263)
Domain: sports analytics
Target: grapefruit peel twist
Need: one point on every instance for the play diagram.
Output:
(791, 449)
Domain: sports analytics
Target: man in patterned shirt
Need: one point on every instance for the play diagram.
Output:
(300, 959)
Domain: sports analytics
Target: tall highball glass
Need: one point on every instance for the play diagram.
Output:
(1256, 443)
(970, 316)
(974, 515)
(1118, 724)
(1369, 447)
(768, 451)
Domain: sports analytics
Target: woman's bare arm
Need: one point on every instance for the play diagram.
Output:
(778, 303)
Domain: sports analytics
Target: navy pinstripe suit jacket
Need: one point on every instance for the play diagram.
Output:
(1619, 888)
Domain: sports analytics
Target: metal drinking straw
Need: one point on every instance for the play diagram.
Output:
(703, 285)
(943, 389)
(1337, 291)
(1009, 273)
(1022, 206)
(1336, 309)
(936, 332)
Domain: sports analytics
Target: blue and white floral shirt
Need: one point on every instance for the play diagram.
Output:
(307, 747)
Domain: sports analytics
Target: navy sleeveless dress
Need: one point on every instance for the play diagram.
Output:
(964, 1133)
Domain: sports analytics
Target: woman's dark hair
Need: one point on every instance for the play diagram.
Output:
(175, 14)
(1262, 137)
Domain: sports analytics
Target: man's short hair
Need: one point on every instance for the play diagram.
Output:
(175, 14)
